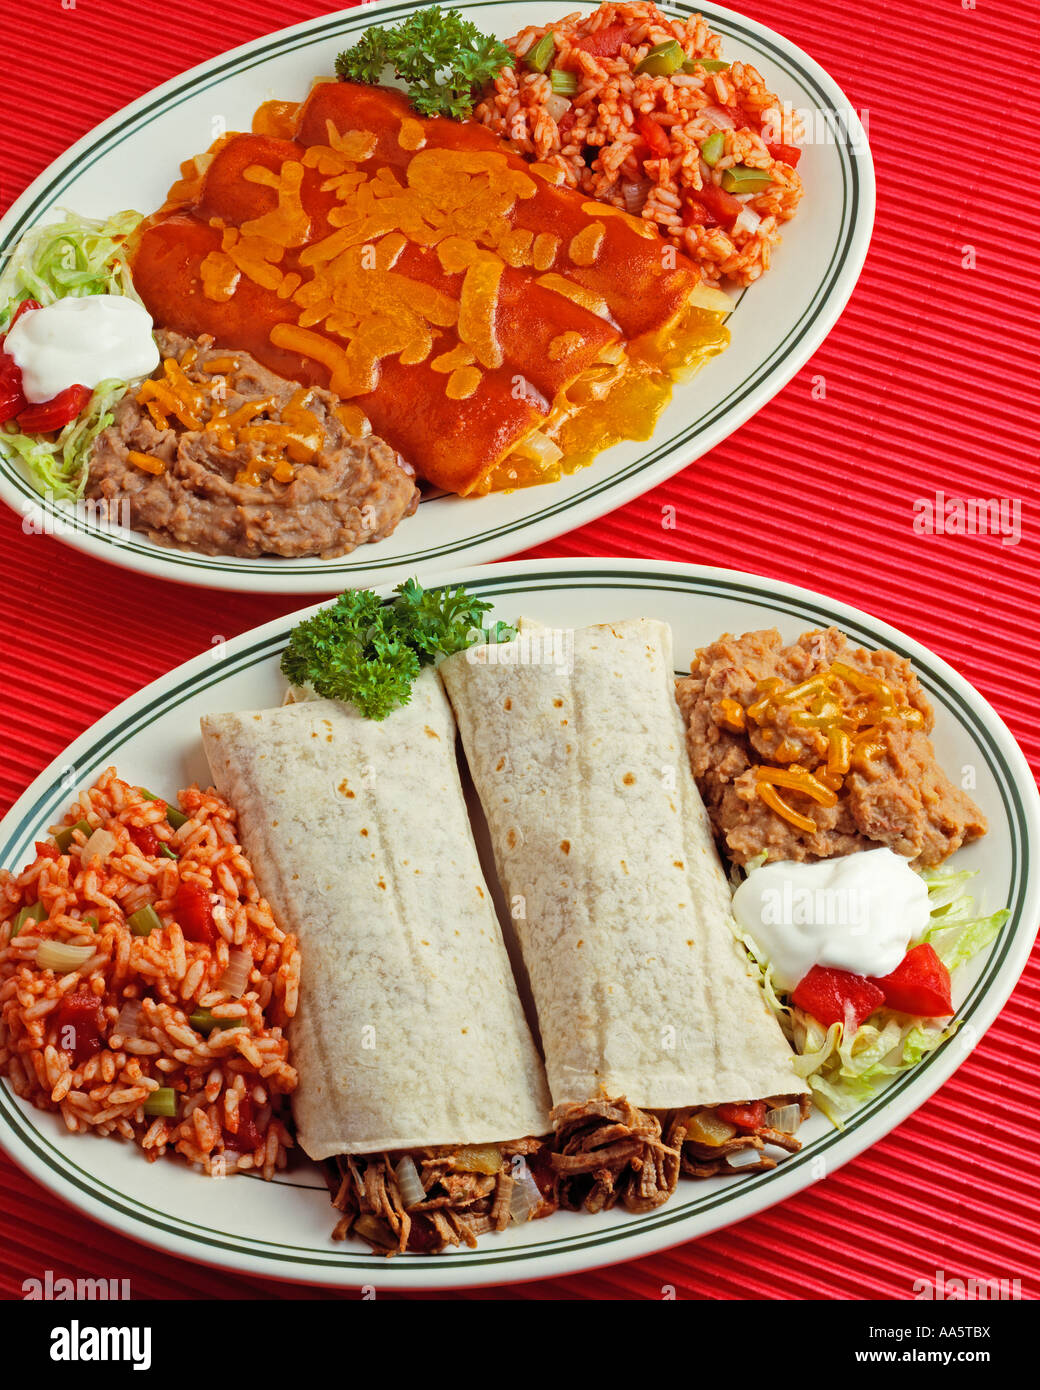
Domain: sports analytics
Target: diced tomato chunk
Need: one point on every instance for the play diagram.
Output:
(788, 154)
(194, 912)
(55, 413)
(566, 121)
(722, 205)
(920, 984)
(48, 849)
(751, 1116)
(78, 1018)
(655, 135)
(145, 838)
(247, 1137)
(697, 215)
(26, 306)
(11, 398)
(834, 996)
(605, 43)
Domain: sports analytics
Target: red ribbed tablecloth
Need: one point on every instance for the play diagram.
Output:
(930, 384)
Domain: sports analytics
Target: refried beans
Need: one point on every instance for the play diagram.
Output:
(818, 749)
(220, 455)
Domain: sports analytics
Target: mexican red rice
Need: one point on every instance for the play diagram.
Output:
(635, 140)
(94, 1040)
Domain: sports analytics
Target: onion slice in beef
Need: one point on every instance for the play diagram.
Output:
(409, 1183)
(786, 1119)
(525, 1195)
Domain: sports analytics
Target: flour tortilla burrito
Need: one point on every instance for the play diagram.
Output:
(410, 1031)
(619, 899)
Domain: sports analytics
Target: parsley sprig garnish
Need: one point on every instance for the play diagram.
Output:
(443, 58)
(368, 652)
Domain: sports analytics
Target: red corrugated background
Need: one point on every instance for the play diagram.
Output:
(929, 383)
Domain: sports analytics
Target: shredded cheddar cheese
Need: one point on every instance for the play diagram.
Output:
(841, 704)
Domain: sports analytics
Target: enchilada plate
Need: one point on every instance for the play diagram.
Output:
(282, 1229)
(131, 160)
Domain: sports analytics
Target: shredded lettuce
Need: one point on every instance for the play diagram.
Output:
(844, 1072)
(76, 256)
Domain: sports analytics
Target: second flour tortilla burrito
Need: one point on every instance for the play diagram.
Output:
(644, 998)
(410, 1034)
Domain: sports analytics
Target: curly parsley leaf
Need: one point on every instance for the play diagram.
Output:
(368, 652)
(443, 58)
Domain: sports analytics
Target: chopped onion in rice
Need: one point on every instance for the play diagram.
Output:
(102, 843)
(635, 195)
(525, 1196)
(744, 1158)
(56, 956)
(409, 1183)
(748, 221)
(721, 120)
(236, 977)
(556, 106)
(786, 1119)
(129, 1018)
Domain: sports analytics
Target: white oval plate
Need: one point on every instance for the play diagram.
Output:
(131, 160)
(153, 739)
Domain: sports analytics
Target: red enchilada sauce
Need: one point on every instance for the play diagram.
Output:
(429, 277)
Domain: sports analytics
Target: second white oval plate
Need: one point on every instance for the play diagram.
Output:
(777, 324)
(281, 1229)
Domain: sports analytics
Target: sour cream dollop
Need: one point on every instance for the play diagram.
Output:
(81, 341)
(857, 912)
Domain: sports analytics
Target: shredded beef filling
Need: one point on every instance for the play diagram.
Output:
(608, 1151)
(709, 1160)
(603, 1152)
(459, 1204)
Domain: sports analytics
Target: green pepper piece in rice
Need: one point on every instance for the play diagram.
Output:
(36, 913)
(712, 148)
(708, 64)
(166, 851)
(741, 179)
(663, 59)
(203, 1021)
(144, 921)
(542, 54)
(63, 838)
(162, 1101)
(174, 817)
